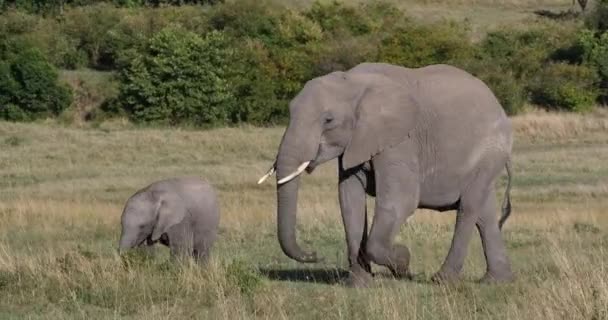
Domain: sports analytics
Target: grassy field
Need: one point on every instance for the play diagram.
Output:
(62, 191)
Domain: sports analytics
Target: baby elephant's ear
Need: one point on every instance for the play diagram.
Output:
(170, 211)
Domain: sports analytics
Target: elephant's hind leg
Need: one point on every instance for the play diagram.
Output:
(498, 266)
(354, 217)
(475, 201)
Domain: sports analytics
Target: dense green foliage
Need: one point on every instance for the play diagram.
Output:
(529, 65)
(243, 61)
(28, 84)
(178, 77)
(565, 86)
(594, 45)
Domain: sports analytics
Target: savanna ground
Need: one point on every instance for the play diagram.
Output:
(62, 191)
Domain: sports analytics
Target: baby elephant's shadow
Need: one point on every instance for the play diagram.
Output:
(326, 275)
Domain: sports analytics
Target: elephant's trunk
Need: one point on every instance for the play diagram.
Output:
(127, 241)
(287, 203)
(290, 157)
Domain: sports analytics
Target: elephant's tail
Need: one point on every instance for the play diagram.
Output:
(506, 203)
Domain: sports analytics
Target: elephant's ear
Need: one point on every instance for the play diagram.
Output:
(385, 116)
(170, 211)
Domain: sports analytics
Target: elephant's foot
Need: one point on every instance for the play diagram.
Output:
(400, 269)
(396, 260)
(505, 276)
(401, 272)
(445, 277)
(359, 279)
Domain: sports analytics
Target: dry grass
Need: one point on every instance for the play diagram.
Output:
(62, 190)
(545, 125)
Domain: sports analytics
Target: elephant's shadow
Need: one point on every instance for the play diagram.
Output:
(326, 275)
(313, 275)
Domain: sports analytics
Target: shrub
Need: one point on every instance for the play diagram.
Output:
(29, 88)
(598, 19)
(524, 52)
(181, 2)
(336, 17)
(345, 52)
(88, 28)
(248, 19)
(179, 77)
(509, 91)
(566, 87)
(417, 46)
(254, 81)
(47, 35)
(277, 50)
(595, 54)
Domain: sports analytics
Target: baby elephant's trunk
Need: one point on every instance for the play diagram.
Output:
(126, 242)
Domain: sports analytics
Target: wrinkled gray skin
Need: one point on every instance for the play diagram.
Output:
(181, 213)
(434, 137)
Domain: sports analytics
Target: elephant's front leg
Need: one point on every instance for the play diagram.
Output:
(354, 216)
(397, 195)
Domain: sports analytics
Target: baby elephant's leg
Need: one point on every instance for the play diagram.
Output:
(180, 241)
(202, 246)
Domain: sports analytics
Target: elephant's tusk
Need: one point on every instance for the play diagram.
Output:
(268, 174)
(294, 174)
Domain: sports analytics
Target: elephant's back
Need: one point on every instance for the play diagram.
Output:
(194, 192)
(460, 104)
(441, 88)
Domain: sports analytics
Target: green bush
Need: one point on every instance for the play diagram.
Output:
(46, 34)
(598, 19)
(29, 88)
(345, 52)
(88, 27)
(336, 17)
(509, 91)
(566, 87)
(595, 54)
(417, 45)
(248, 19)
(524, 52)
(277, 50)
(179, 78)
(253, 80)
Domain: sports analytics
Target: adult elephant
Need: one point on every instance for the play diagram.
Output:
(434, 137)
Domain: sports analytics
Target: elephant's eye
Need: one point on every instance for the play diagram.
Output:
(329, 119)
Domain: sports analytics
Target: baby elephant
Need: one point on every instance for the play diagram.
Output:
(182, 213)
